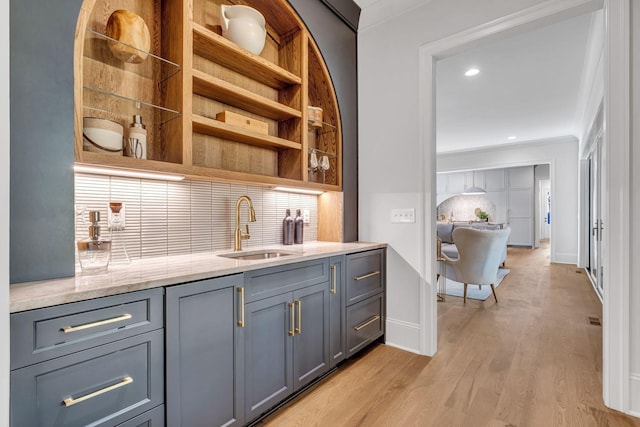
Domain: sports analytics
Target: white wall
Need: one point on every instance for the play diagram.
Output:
(562, 156)
(4, 213)
(391, 131)
(634, 294)
(390, 151)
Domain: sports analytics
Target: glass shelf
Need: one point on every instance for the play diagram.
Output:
(124, 107)
(324, 128)
(153, 67)
(322, 152)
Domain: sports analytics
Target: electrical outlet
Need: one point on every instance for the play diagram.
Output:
(305, 216)
(403, 216)
(116, 216)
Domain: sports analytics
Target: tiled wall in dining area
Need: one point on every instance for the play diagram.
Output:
(170, 218)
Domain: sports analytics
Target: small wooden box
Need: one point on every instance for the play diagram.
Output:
(235, 119)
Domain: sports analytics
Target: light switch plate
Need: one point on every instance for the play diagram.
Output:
(305, 216)
(399, 216)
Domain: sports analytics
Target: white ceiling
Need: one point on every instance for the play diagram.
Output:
(528, 86)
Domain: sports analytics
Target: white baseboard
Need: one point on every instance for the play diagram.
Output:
(564, 258)
(403, 335)
(634, 391)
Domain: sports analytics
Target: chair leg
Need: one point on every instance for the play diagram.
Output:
(465, 293)
(493, 289)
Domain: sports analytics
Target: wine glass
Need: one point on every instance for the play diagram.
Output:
(324, 164)
(314, 159)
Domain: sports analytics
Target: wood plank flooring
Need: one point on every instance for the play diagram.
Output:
(533, 359)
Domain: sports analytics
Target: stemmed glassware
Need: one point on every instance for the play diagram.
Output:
(316, 165)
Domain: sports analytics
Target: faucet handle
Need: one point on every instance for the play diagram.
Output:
(247, 235)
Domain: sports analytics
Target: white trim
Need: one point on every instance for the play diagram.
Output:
(634, 408)
(405, 334)
(615, 387)
(428, 289)
(615, 204)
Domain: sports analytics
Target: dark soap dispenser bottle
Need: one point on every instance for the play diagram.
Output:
(299, 228)
(287, 229)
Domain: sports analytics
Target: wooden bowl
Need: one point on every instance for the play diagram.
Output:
(132, 33)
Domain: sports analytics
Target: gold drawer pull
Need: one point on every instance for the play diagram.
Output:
(71, 401)
(375, 273)
(367, 323)
(334, 286)
(292, 315)
(241, 321)
(299, 328)
(69, 329)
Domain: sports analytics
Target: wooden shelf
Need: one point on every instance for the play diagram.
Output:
(207, 126)
(220, 90)
(216, 48)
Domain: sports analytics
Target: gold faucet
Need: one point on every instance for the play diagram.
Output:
(239, 235)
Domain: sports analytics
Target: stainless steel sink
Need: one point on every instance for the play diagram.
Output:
(257, 254)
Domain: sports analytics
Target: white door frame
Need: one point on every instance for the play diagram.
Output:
(617, 147)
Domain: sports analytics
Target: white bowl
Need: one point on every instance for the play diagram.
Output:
(102, 136)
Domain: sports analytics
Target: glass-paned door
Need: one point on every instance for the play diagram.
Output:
(595, 217)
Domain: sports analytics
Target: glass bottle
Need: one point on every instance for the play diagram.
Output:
(299, 228)
(94, 252)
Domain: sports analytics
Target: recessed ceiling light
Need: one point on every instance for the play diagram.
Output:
(471, 72)
(512, 137)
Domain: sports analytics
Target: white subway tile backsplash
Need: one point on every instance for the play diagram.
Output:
(167, 218)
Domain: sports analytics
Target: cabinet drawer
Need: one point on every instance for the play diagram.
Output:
(365, 323)
(102, 386)
(43, 334)
(152, 418)
(365, 275)
(271, 281)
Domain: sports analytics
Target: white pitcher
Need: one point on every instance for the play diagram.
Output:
(244, 26)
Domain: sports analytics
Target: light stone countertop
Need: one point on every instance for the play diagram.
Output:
(163, 271)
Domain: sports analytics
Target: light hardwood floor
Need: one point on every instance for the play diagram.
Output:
(533, 359)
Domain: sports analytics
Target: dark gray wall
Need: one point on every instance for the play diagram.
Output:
(347, 10)
(42, 141)
(338, 43)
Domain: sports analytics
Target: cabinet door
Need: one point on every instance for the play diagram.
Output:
(204, 353)
(337, 311)
(455, 183)
(268, 338)
(311, 339)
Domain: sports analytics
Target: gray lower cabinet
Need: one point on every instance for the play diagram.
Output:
(286, 335)
(337, 312)
(204, 356)
(97, 362)
(365, 281)
(152, 418)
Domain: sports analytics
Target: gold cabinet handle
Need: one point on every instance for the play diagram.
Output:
(299, 328)
(69, 329)
(292, 314)
(367, 323)
(334, 286)
(241, 321)
(71, 401)
(375, 273)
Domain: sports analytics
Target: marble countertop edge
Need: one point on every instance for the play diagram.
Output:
(155, 272)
